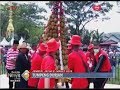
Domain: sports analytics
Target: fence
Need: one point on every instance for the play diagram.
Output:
(116, 80)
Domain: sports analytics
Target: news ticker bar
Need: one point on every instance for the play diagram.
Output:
(73, 75)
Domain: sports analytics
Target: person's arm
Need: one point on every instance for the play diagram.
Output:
(36, 62)
(70, 63)
(26, 63)
(18, 63)
(7, 55)
(49, 65)
(47, 83)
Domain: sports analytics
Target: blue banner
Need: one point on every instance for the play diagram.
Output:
(73, 75)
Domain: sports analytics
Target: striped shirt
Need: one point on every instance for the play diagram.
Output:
(11, 58)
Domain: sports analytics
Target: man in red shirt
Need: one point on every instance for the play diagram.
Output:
(103, 65)
(76, 63)
(91, 62)
(48, 63)
(36, 64)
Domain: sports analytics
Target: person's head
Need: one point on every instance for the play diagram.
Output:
(75, 47)
(97, 49)
(91, 48)
(75, 41)
(23, 47)
(42, 48)
(52, 46)
(15, 44)
(69, 48)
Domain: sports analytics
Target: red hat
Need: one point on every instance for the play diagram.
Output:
(52, 45)
(42, 47)
(91, 46)
(69, 46)
(75, 40)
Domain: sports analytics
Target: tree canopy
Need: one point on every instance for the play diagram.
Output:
(27, 20)
(80, 13)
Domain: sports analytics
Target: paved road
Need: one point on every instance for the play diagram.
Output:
(4, 83)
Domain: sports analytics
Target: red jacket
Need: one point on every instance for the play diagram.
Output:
(76, 65)
(47, 64)
(106, 66)
(35, 65)
(90, 60)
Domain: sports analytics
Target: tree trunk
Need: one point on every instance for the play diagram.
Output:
(77, 28)
(78, 23)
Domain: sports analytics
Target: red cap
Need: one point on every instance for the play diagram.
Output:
(42, 47)
(52, 45)
(75, 40)
(91, 46)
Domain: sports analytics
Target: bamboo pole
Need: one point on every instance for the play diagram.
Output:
(60, 48)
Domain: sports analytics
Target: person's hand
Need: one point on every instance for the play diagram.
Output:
(67, 80)
(66, 67)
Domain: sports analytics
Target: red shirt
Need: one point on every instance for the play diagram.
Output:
(76, 65)
(106, 66)
(90, 60)
(35, 65)
(48, 63)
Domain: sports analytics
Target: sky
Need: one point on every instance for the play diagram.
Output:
(112, 25)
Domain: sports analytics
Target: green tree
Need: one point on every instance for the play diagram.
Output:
(3, 19)
(81, 13)
(97, 37)
(87, 37)
(35, 35)
(26, 19)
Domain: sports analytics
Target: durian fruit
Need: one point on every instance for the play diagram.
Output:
(51, 30)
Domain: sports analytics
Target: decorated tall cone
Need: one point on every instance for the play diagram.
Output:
(56, 29)
(10, 28)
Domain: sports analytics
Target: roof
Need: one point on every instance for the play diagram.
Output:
(112, 36)
(109, 42)
(4, 42)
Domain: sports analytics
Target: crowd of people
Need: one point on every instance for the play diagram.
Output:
(94, 60)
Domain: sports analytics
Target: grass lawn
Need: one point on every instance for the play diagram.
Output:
(115, 80)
